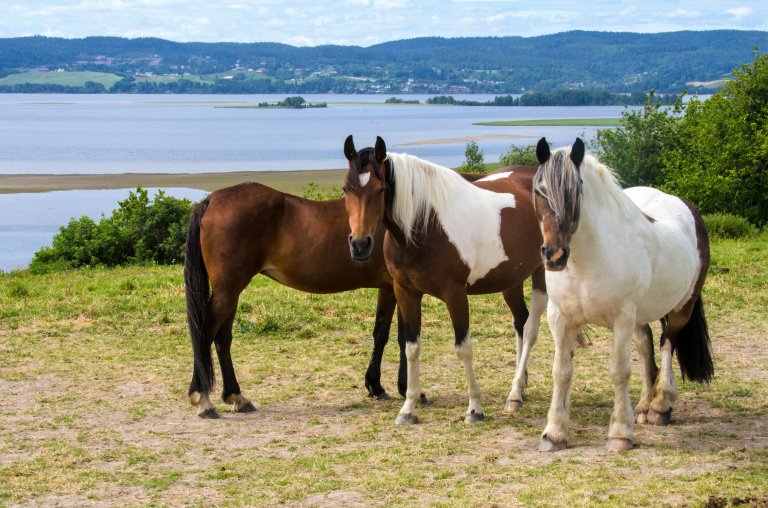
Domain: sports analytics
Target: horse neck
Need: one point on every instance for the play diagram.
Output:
(422, 191)
(606, 218)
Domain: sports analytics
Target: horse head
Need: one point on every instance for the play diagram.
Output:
(557, 189)
(365, 193)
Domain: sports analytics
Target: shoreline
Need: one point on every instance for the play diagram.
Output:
(293, 182)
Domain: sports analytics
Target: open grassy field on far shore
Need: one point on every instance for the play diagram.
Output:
(65, 78)
(578, 122)
(96, 365)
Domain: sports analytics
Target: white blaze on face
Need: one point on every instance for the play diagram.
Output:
(364, 177)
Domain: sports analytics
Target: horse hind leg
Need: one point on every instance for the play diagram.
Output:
(643, 338)
(225, 304)
(664, 393)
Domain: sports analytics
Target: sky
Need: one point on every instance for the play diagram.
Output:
(365, 22)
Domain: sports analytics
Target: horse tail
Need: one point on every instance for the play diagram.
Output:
(693, 348)
(198, 293)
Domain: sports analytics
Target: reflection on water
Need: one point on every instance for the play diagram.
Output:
(30, 220)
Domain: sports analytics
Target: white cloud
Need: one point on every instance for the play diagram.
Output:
(739, 12)
(364, 22)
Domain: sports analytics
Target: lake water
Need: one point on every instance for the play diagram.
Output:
(62, 134)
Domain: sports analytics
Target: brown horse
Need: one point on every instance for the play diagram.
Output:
(447, 238)
(249, 229)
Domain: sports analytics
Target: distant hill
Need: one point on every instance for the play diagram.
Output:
(619, 62)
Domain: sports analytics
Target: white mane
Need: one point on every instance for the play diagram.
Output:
(422, 187)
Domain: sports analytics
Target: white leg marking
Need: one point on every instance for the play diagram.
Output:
(202, 401)
(464, 352)
(539, 300)
(413, 392)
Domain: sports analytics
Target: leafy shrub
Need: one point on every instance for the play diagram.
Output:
(726, 225)
(322, 192)
(520, 156)
(474, 159)
(139, 231)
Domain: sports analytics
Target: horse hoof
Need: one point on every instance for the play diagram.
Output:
(406, 419)
(660, 418)
(424, 401)
(641, 418)
(474, 417)
(381, 395)
(248, 407)
(512, 406)
(548, 446)
(208, 414)
(619, 444)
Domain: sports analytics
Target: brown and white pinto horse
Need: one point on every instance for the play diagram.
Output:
(249, 229)
(619, 259)
(447, 238)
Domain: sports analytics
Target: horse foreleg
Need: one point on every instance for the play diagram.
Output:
(516, 396)
(643, 338)
(556, 433)
(410, 310)
(385, 307)
(622, 427)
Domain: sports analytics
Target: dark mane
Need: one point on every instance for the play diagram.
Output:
(558, 180)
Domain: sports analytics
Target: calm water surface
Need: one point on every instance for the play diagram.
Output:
(62, 134)
(35, 218)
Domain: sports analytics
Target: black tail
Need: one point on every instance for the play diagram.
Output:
(198, 293)
(693, 348)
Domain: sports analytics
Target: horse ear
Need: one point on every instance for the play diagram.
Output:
(349, 148)
(542, 151)
(380, 150)
(577, 152)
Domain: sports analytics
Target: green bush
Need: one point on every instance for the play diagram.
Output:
(474, 159)
(520, 156)
(322, 192)
(726, 225)
(139, 231)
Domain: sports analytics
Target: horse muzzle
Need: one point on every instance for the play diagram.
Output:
(361, 250)
(555, 260)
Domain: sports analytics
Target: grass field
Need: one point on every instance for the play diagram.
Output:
(94, 412)
(577, 122)
(65, 78)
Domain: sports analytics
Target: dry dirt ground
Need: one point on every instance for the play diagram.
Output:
(50, 413)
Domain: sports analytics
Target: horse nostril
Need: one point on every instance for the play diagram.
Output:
(543, 251)
(368, 241)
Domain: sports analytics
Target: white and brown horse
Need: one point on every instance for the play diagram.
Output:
(447, 238)
(619, 259)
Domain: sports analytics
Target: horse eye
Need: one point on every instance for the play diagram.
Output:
(344, 189)
(381, 191)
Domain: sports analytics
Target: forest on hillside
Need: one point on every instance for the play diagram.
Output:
(617, 62)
